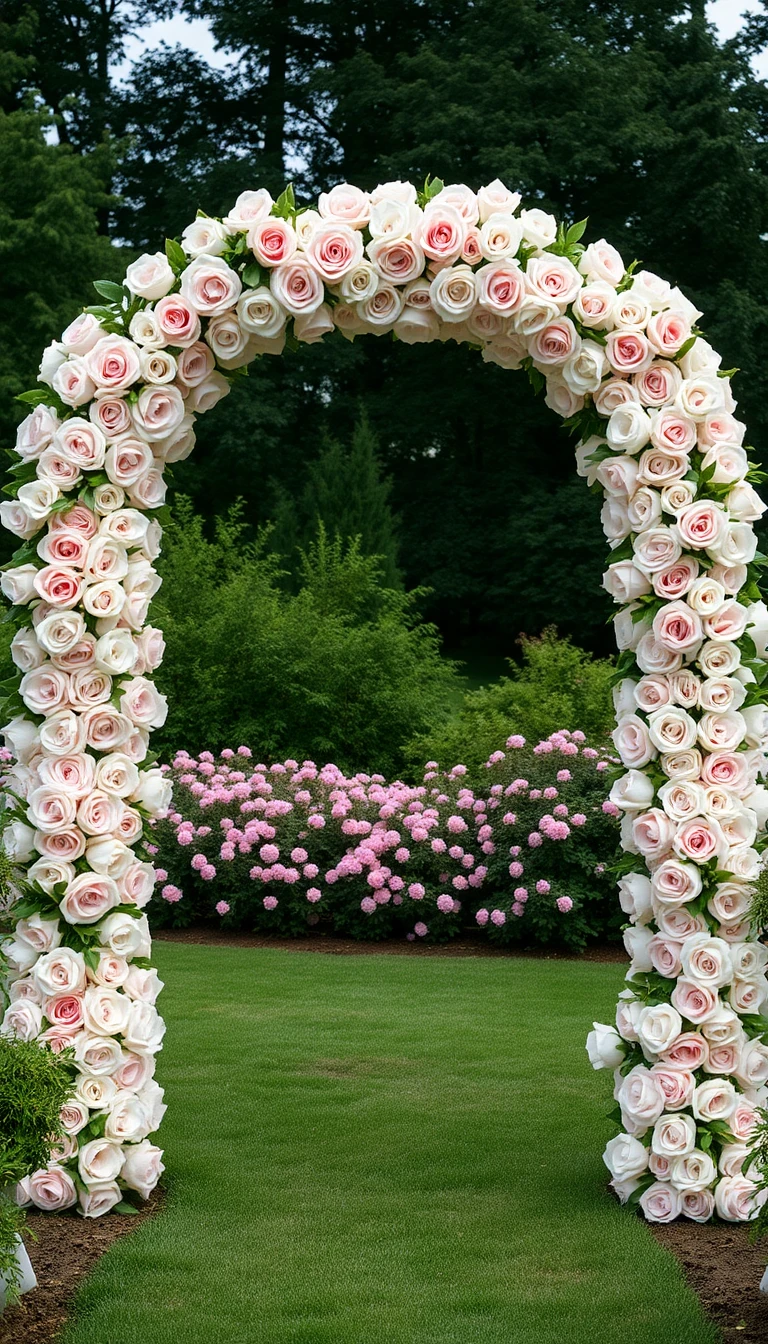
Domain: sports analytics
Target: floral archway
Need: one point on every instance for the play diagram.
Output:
(619, 357)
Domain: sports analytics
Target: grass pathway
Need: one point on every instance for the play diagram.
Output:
(384, 1150)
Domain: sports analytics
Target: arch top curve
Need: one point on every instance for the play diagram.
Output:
(619, 357)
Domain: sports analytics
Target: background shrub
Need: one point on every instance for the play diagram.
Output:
(558, 684)
(343, 666)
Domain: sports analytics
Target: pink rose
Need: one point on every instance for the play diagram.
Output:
(334, 249)
(73, 382)
(210, 285)
(676, 579)
(441, 233)
(700, 525)
(653, 833)
(672, 432)
(88, 898)
(195, 364)
(59, 586)
(150, 276)
(345, 204)
(628, 351)
(36, 431)
(700, 839)
(677, 627)
(667, 331)
(677, 1084)
(689, 1052)
(52, 1189)
(159, 411)
(660, 1203)
(658, 384)
(178, 320)
(553, 278)
(555, 343)
(696, 1003)
(113, 364)
(501, 287)
(272, 241)
(397, 259)
(297, 286)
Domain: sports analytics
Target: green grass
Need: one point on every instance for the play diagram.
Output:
(384, 1150)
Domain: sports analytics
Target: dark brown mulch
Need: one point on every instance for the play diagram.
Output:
(468, 945)
(66, 1249)
(724, 1269)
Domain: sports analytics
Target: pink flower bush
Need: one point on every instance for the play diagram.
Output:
(360, 854)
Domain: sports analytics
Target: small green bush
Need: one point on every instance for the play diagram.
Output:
(34, 1085)
(343, 669)
(558, 686)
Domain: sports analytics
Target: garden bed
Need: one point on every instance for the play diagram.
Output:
(470, 944)
(66, 1249)
(724, 1268)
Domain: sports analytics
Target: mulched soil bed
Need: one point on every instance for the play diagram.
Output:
(724, 1269)
(66, 1249)
(467, 945)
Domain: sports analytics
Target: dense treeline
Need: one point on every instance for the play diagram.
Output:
(630, 111)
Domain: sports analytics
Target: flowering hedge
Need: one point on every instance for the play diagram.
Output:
(618, 355)
(284, 847)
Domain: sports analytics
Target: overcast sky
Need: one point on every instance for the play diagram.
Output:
(196, 34)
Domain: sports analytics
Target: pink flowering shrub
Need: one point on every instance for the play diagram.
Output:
(290, 845)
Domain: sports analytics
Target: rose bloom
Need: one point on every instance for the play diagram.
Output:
(658, 385)
(678, 627)
(695, 1002)
(88, 898)
(677, 1084)
(644, 509)
(113, 364)
(675, 883)
(297, 286)
(653, 833)
(595, 304)
(178, 320)
(210, 285)
(700, 525)
(660, 1203)
(334, 249)
(628, 351)
(501, 287)
(555, 343)
(272, 241)
(441, 233)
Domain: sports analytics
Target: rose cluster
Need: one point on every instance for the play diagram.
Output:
(285, 846)
(690, 1061)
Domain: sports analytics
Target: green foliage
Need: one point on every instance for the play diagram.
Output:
(345, 493)
(557, 686)
(49, 247)
(344, 668)
(34, 1084)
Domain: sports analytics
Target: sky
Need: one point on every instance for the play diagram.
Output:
(196, 34)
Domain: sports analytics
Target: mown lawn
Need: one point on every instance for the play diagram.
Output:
(384, 1150)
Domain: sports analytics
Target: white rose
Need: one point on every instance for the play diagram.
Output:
(658, 1026)
(145, 1029)
(99, 1161)
(625, 1157)
(635, 897)
(715, 1099)
(693, 1172)
(142, 1168)
(641, 1100)
(629, 428)
(604, 1047)
(150, 276)
(674, 1135)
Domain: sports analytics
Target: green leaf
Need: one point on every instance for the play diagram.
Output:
(253, 276)
(124, 1207)
(285, 205)
(685, 347)
(34, 398)
(576, 232)
(176, 255)
(109, 290)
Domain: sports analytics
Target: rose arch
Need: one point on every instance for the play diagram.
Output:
(617, 353)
